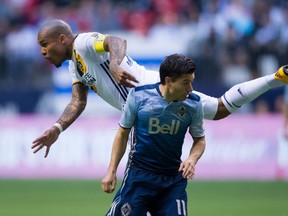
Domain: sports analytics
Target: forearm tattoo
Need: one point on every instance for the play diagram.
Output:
(76, 105)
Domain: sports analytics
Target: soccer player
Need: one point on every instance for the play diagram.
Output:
(99, 62)
(155, 179)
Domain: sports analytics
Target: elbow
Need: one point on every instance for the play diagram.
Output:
(122, 42)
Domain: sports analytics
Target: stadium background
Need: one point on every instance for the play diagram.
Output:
(231, 41)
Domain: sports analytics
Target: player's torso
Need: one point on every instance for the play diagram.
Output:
(160, 130)
(92, 69)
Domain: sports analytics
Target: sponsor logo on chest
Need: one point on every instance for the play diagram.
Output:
(88, 79)
(155, 127)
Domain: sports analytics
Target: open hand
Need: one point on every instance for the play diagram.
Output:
(46, 139)
(122, 77)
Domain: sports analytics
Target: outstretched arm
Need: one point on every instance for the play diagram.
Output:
(116, 46)
(70, 114)
(118, 150)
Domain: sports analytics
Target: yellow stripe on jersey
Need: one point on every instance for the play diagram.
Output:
(78, 81)
(99, 46)
(99, 43)
(94, 88)
(80, 64)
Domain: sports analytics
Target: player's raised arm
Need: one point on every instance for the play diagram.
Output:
(70, 114)
(116, 46)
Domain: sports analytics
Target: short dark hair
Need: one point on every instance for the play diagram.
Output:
(55, 28)
(176, 65)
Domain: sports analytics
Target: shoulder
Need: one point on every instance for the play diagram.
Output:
(89, 44)
(87, 35)
(146, 87)
(146, 92)
(80, 37)
(194, 97)
(80, 41)
(87, 38)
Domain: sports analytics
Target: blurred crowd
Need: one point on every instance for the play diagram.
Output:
(230, 40)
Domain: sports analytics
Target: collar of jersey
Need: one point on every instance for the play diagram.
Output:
(158, 89)
(75, 36)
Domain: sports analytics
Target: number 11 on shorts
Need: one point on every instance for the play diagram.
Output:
(181, 207)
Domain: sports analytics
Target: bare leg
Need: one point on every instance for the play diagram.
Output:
(222, 111)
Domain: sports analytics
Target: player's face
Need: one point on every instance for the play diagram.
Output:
(53, 49)
(181, 87)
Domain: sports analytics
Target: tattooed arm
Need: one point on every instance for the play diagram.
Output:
(70, 114)
(76, 105)
(116, 46)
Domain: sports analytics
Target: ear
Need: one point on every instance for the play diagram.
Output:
(62, 38)
(168, 81)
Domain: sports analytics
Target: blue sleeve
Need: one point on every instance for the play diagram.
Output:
(128, 117)
(196, 128)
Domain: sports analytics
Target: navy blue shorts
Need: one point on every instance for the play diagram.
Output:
(143, 191)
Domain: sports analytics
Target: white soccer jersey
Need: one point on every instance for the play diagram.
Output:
(90, 65)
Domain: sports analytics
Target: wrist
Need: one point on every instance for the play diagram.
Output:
(59, 127)
(113, 64)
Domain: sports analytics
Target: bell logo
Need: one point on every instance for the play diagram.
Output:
(155, 127)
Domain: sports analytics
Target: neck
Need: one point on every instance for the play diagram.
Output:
(165, 93)
(71, 47)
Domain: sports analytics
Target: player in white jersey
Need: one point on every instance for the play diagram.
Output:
(90, 66)
(95, 57)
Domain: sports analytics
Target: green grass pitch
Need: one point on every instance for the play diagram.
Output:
(85, 197)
